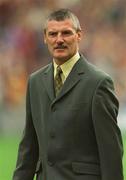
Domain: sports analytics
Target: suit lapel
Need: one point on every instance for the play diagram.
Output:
(48, 80)
(72, 80)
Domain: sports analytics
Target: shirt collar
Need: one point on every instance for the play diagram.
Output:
(67, 66)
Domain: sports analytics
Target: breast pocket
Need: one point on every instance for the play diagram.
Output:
(86, 168)
(76, 106)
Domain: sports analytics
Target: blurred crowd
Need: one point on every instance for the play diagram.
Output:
(22, 50)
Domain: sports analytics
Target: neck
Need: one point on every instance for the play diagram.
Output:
(62, 61)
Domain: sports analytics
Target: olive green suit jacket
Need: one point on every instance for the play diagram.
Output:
(75, 135)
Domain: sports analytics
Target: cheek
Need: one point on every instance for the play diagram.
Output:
(50, 45)
(50, 48)
(49, 42)
(73, 44)
(73, 41)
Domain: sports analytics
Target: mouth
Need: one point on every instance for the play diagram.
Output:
(61, 47)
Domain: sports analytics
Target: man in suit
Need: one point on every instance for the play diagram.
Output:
(71, 130)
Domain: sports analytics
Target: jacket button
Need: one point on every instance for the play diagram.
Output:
(52, 134)
(50, 163)
(53, 109)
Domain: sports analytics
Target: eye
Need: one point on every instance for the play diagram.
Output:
(52, 34)
(67, 33)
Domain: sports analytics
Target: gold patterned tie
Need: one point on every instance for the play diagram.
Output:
(58, 80)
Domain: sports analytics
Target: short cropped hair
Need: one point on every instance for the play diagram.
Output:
(61, 15)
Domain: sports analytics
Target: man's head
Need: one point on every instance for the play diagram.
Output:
(62, 35)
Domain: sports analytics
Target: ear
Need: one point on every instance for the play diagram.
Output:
(45, 41)
(79, 33)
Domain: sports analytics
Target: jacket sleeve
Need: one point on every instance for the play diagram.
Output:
(28, 148)
(104, 114)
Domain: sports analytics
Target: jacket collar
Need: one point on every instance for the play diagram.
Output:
(71, 81)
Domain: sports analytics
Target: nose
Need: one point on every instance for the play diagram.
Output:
(59, 38)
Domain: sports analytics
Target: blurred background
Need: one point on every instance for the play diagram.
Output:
(22, 51)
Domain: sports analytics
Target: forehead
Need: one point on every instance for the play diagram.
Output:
(54, 25)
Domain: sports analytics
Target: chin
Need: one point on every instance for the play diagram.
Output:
(62, 58)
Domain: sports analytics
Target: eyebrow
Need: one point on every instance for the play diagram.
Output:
(63, 30)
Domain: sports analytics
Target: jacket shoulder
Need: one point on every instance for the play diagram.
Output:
(40, 71)
(96, 73)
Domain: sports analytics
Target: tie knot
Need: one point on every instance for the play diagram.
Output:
(59, 70)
